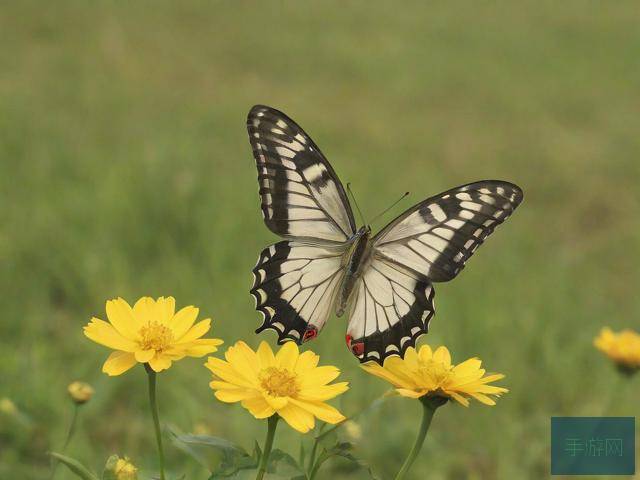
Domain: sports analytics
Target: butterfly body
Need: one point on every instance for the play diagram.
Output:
(324, 265)
(355, 260)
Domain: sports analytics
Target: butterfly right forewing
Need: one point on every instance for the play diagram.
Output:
(436, 237)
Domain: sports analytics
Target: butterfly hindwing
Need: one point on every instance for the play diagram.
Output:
(300, 193)
(437, 236)
(294, 287)
(391, 309)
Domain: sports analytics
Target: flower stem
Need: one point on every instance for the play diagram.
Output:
(154, 414)
(268, 443)
(70, 432)
(429, 407)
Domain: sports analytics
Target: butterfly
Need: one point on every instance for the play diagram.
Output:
(325, 265)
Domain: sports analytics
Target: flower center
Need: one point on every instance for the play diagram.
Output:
(155, 336)
(278, 382)
(436, 372)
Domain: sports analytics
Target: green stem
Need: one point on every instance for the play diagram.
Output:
(268, 443)
(154, 414)
(70, 432)
(429, 407)
(314, 450)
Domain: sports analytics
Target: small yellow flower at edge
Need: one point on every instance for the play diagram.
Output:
(430, 373)
(80, 392)
(125, 470)
(7, 406)
(623, 347)
(288, 383)
(151, 332)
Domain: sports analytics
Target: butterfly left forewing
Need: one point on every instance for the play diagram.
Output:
(301, 195)
(294, 287)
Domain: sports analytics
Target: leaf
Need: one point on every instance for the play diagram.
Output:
(328, 439)
(227, 457)
(282, 463)
(343, 450)
(75, 466)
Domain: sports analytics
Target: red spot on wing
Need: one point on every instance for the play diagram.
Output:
(356, 348)
(310, 333)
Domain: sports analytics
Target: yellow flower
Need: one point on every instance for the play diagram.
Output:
(150, 332)
(288, 383)
(431, 373)
(623, 348)
(125, 470)
(7, 406)
(80, 392)
(354, 430)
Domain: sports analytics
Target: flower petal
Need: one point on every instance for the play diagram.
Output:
(165, 309)
(425, 353)
(411, 393)
(226, 371)
(118, 363)
(201, 347)
(143, 356)
(243, 360)
(381, 372)
(183, 321)
(323, 392)
(265, 355)
(225, 392)
(122, 318)
(195, 332)
(319, 376)
(144, 310)
(323, 411)
(287, 356)
(103, 333)
(442, 355)
(258, 407)
(297, 418)
(307, 361)
(276, 402)
(159, 363)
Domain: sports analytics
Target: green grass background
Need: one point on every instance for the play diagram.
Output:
(125, 171)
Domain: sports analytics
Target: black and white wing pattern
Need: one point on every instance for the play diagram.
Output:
(437, 236)
(301, 194)
(392, 308)
(428, 243)
(295, 285)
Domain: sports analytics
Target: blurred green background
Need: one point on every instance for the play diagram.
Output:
(125, 170)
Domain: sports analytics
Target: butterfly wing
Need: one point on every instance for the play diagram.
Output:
(428, 243)
(295, 285)
(301, 194)
(436, 237)
(392, 308)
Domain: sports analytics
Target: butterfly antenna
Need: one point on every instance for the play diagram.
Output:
(393, 205)
(356, 203)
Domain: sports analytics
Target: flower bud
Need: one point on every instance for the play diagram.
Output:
(7, 406)
(80, 392)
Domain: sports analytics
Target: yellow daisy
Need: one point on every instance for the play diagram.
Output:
(288, 383)
(623, 347)
(151, 332)
(432, 374)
